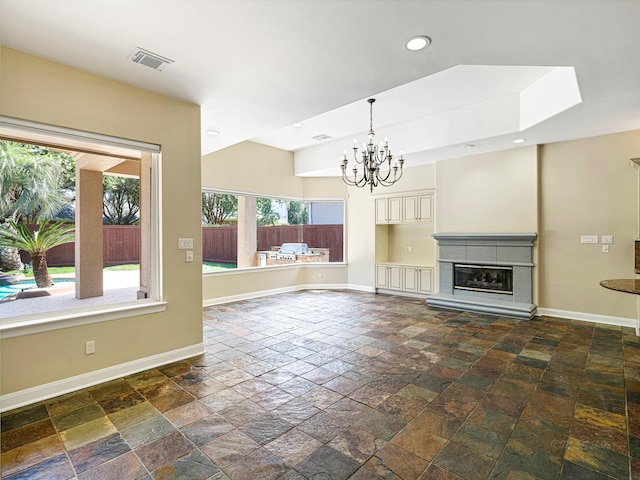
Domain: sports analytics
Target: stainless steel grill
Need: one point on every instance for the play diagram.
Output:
(294, 248)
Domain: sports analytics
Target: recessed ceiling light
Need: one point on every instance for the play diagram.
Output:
(417, 43)
(297, 124)
(213, 133)
(469, 146)
(520, 140)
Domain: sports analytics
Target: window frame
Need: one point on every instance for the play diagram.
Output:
(236, 271)
(33, 132)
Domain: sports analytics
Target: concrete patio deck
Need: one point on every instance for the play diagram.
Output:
(119, 286)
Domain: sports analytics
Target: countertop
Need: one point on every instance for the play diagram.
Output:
(628, 285)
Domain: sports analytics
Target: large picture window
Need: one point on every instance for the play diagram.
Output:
(240, 231)
(105, 190)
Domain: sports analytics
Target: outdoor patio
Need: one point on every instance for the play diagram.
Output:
(119, 286)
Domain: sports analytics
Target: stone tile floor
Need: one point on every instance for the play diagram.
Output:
(349, 385)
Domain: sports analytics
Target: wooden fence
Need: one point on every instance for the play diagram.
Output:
(121, 243)
(219, 244)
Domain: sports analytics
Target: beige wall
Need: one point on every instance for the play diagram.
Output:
(250, 167)
(38, 90)
(588, 187)
(493, 192)
(246, 283)
(418, 236)
(327, 188)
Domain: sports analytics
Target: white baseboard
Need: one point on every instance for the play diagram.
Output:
(361, 288)
(71, 384)
(264, 293)
(589, 317)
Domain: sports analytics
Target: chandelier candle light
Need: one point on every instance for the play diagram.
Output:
(373, 158)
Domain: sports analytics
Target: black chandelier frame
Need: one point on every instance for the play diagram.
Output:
(375, 161)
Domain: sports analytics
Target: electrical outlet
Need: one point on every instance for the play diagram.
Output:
(589, 239)
(89, 347)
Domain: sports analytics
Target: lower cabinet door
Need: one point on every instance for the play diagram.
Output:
(381, 276)
(410, 280)
(406, 278)
(395, 277)
(424, 280)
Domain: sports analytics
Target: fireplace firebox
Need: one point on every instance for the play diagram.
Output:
(482, 278)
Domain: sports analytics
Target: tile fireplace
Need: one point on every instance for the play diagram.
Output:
(486, 273)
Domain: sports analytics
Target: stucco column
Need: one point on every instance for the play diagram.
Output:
(247, 232)
(88, 233)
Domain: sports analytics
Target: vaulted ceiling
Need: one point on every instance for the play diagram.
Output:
(496, 70)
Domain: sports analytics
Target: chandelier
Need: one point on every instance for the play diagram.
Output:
(376, 162)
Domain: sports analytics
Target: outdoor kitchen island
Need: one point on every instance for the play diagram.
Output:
(289, 253)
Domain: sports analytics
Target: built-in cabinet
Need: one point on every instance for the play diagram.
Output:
(405, 249)
(417, 208)
(389, 210)
(389, 276)
(404, 278)
(417, 279)
(405, 209)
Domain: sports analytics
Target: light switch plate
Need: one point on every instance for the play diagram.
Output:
(607, 239)
(185, 243)
(589, 239)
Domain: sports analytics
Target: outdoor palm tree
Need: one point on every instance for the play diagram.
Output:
(31, 179)
(45, 237)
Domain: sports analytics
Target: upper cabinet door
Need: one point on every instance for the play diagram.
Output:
(381, 210)
(410, 209)
(395, 210)
(425, 208)
(417, 208)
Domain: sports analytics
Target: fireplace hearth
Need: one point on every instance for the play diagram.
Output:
(486, 273)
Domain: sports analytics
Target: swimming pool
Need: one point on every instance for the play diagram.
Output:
(6, 290)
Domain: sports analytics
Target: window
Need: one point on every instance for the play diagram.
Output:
(243, 231)
(121, 166)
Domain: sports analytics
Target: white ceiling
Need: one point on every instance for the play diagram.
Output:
(258, 66)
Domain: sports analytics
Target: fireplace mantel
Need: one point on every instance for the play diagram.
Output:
(500, 249)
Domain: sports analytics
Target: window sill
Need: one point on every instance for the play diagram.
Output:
(240, 271)
(38, 323)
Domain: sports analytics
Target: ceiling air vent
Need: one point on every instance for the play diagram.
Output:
(150, 59)
(321, 137)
